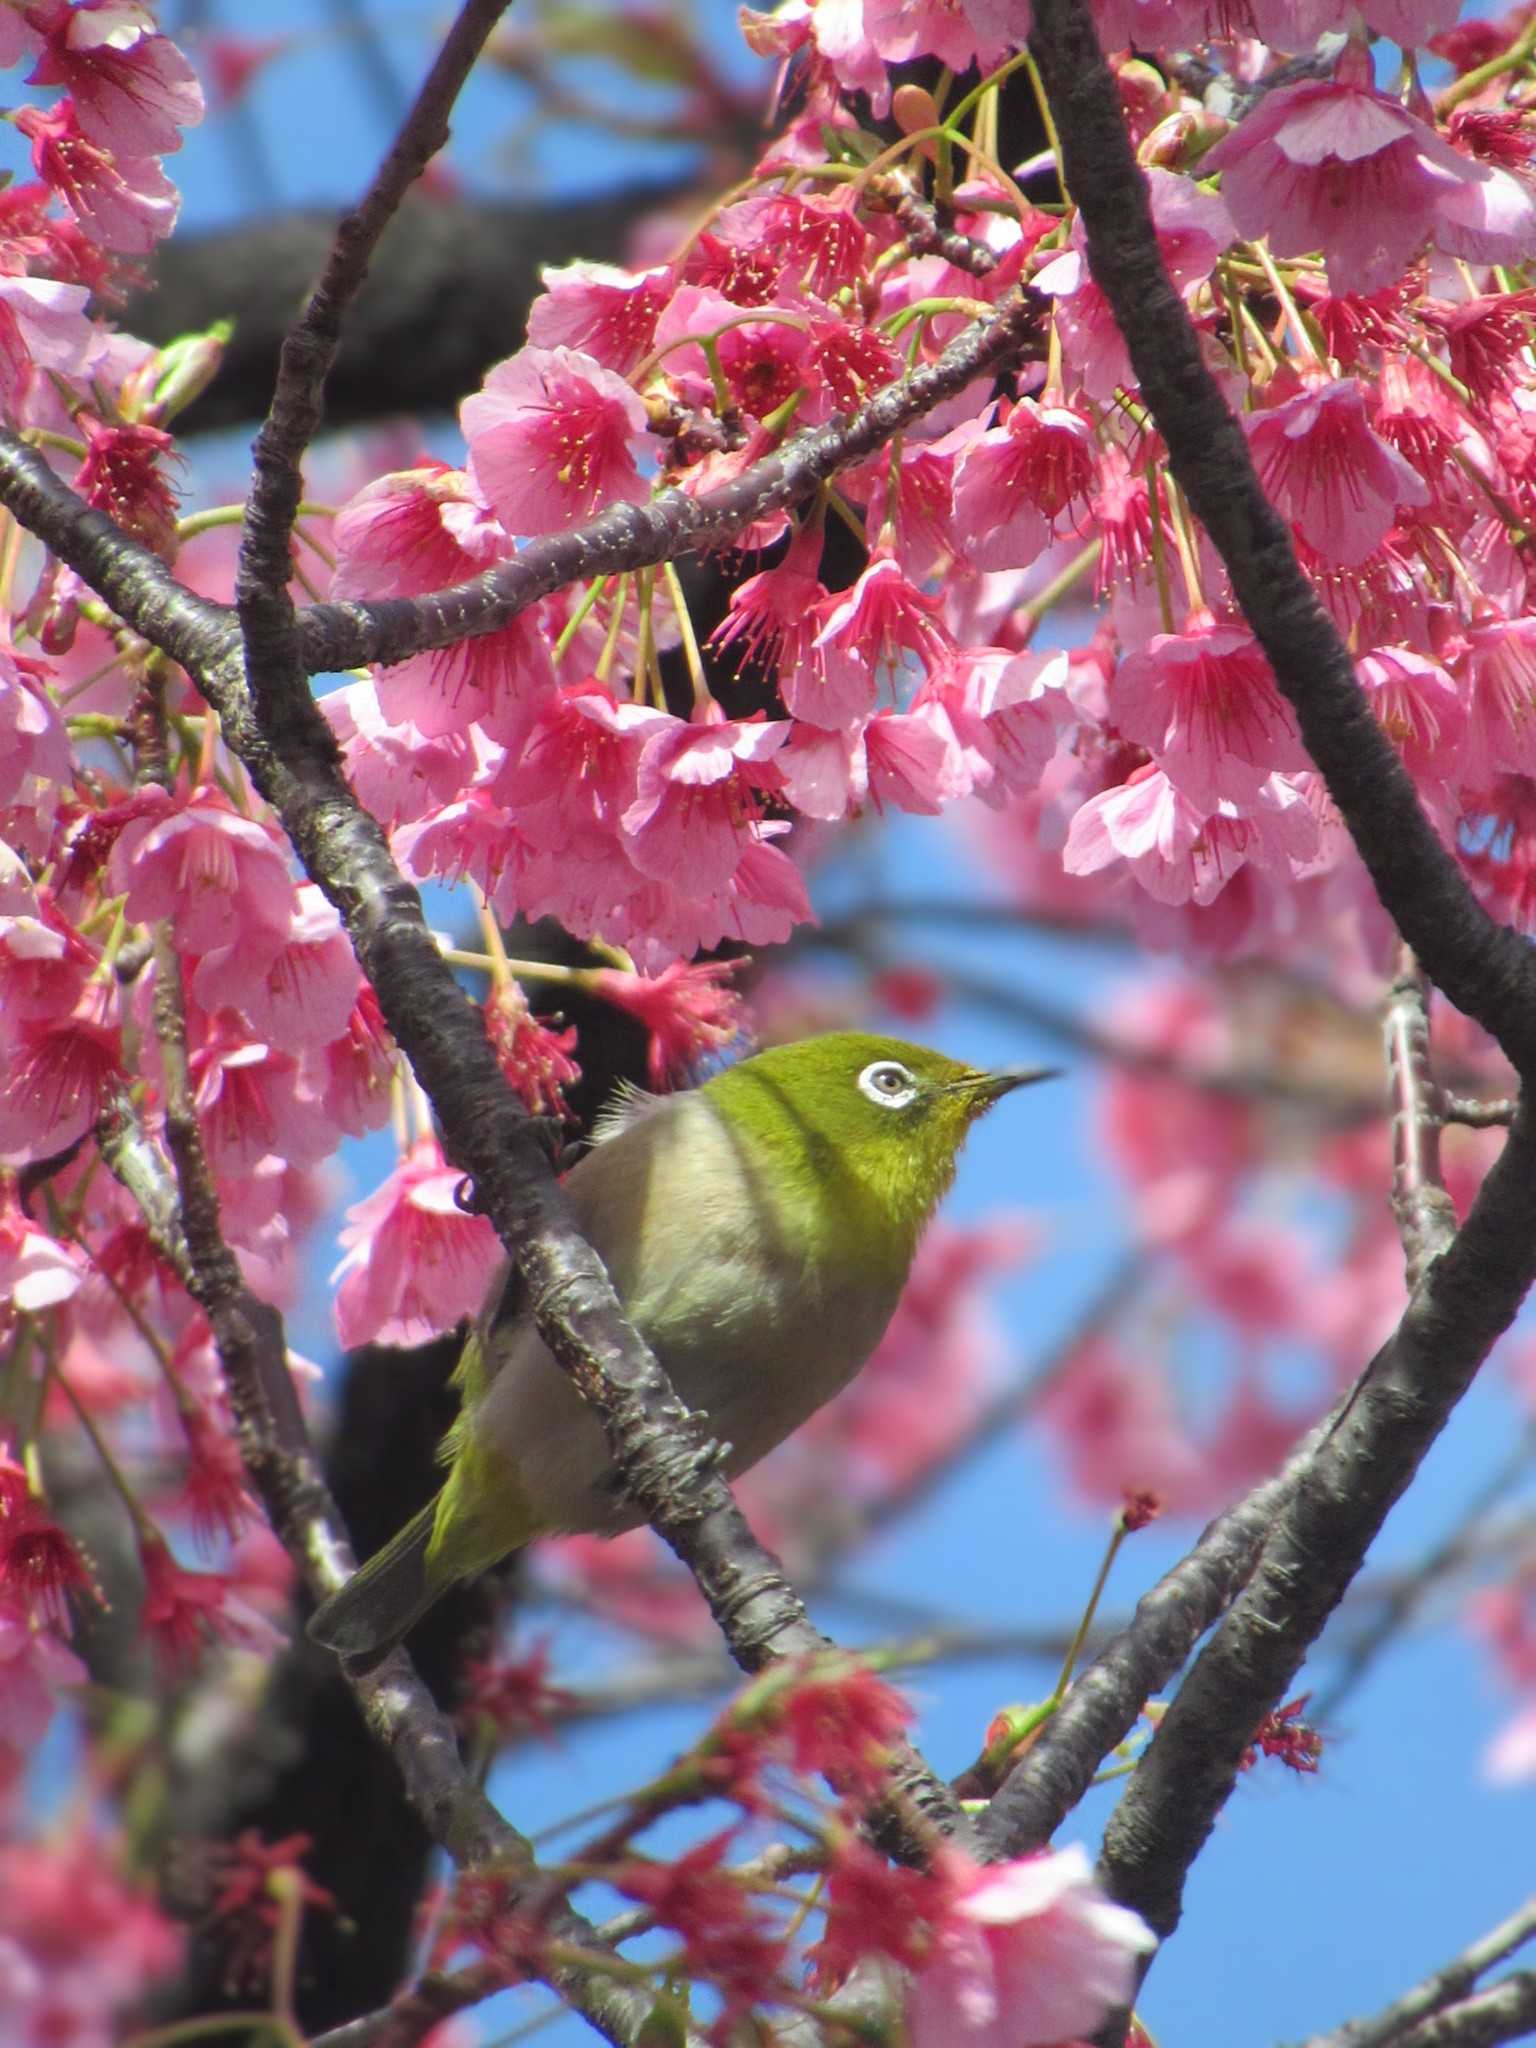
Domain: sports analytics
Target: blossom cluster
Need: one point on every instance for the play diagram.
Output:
(1028, 1952)
(1032, 619)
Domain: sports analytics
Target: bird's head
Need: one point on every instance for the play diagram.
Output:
(853, 1110)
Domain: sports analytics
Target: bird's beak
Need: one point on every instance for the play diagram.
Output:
(990, 1088)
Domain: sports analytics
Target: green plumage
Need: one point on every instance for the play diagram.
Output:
(759, 1231)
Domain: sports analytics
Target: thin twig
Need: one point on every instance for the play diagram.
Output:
(1106, 1699)
(268, 621)
(1407, 1593)
(674, 523)
(1476, 1115)
(1506, 2011)
(926, 234)
(1443, 1987)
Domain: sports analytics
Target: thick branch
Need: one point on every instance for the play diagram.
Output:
(1486, 969)
(658, 1446)
(1469, 1297)
(1426, 1216)
(280, 1457)
(1106, 1699)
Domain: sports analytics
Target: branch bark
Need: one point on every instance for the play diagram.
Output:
(1447, 1987)
(1486, 969)
(1319, 1540)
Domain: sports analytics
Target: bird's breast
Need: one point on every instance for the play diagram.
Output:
(748, 1299)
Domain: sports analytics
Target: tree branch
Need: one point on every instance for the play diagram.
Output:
(675, 523)
(1469, 1297)
(1399, 2023)
(274, 671)
(658, 1445)
(1504, 2012)
(1105, 1700)
(1486, 969)
(1426, 1216)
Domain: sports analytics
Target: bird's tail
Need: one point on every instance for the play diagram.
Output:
(385, 1598)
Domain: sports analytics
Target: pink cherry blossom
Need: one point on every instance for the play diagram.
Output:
(824, 774)
(184, 1610)
(218, 876)
(426, 529)
(1204, 704)
(1193, 228)
(1158, 832)
(816, 241)
(474, 837)
(771, 615)
(1014, 482)
(1004, 711)
(761, 905)
(1497, 674)
(912, 760)
(415, 1261)
(251, 1100)
(1029, 1953)
(304, 995)
(36, 1271)
(1337, 481)
(695, 792)
(576, 776)
(534, 1056)
(950, 30)
(396, 770)
(351, 1077)
(35, 1667)
(608, 313)
(687, 1011)
(82, 1942)
(1419, 707)
(44, 326)
(126, 203)
(842, 39)
(34, 748)
(872, 629)
(1337, 166)
(928, 537)
(133, 89)
(57, 1076)
(553, 437)
(44, 961)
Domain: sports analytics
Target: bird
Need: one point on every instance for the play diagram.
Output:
(759, 1230)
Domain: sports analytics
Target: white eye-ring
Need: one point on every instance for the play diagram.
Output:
(887, 1083)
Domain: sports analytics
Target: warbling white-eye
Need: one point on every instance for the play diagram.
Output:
(759, 1231)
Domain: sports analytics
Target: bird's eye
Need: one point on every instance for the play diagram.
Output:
(888, 1083)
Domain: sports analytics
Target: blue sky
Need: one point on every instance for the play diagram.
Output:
(1317, 1898)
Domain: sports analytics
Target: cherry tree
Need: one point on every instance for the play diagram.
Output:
(1151, 512)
